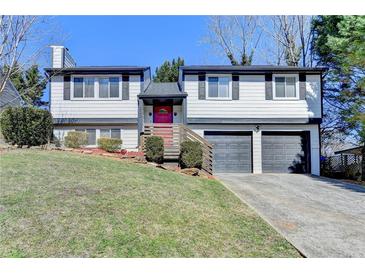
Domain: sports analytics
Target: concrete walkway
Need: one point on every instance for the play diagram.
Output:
(320, 217)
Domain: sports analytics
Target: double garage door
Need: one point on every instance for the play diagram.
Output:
(282, 152)
(232, 151)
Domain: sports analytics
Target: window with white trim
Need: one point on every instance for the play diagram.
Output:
(218, 87)
(78, 87)
(286, 87)
(104, 133)
(84, 87)
(109, 87)
(110, 133)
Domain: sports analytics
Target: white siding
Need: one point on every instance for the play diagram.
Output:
(251, 104)
(256, 155)
(256, 145)
(69, 61)
(313, 95)
(178, 110)
(57, 56)
(148, 119)
(130, 138)
(129, 134)
(94, 108)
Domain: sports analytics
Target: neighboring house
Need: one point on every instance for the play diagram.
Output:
(9, 97)
(258, 118)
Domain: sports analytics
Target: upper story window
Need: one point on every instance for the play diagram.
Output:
(89, 87)
(286, 87)
(109, 87)
(78, 87)
(218, 87)
(85, 87)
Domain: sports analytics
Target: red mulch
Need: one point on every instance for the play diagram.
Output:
(122, 152)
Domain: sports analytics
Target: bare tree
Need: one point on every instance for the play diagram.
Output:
(237, 36)
(278, 39)
(14, 32)
(291, 37)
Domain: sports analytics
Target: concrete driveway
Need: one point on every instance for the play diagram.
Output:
(320, 217)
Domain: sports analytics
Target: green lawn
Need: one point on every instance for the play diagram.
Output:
(58, 204)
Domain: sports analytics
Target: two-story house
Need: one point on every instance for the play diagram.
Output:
(257, 118)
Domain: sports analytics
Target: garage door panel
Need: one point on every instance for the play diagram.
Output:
(283, 152)
(231, 153)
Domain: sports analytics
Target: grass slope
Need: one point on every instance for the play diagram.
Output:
(57, 204)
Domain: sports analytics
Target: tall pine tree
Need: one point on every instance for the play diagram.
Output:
(30, 84)
(168, 71)
(339, 44)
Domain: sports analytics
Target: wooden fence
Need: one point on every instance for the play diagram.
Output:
(342, 166)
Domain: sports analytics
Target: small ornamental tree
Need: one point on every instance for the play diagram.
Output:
(26, 126)
(154, 149)
(191, 154)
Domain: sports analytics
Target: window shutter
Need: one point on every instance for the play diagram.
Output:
(268, 86)
(67, 87)
(201, 95)
(125, 87)
(302, 86)
(235, 87)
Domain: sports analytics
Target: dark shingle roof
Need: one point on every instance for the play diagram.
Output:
(97, 69)
(253, 68)
(163, 90)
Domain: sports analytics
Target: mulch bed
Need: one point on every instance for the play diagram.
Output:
(122, 153)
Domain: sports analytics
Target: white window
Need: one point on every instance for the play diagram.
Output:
(110, 133)
(109, 87)
(286, 87)
(89, 87)
(218, 87)
(83, 87)
(104, 133)
(78, 87)
(95, 87)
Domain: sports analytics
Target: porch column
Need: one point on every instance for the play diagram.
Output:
(256, 151)
(184, 111)
(140, 119)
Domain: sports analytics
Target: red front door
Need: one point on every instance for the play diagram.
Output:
(162, 114)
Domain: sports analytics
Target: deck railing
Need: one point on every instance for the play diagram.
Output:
(174, 135)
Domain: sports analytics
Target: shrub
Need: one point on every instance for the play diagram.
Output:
(76, 139)
(109, 144)
(154, 149)
(191, 154)
(26, 126)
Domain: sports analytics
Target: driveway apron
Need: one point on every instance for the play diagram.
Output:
(321, 217)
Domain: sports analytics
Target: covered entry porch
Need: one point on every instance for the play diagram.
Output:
(162, 108)
(161, 103)
(162, 112)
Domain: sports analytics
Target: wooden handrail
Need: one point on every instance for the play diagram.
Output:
(181, 133)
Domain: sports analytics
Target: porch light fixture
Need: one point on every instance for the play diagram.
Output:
(257, 128)
(175, 113)
(150, 114)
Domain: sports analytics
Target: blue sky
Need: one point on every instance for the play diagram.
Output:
(134, 40)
